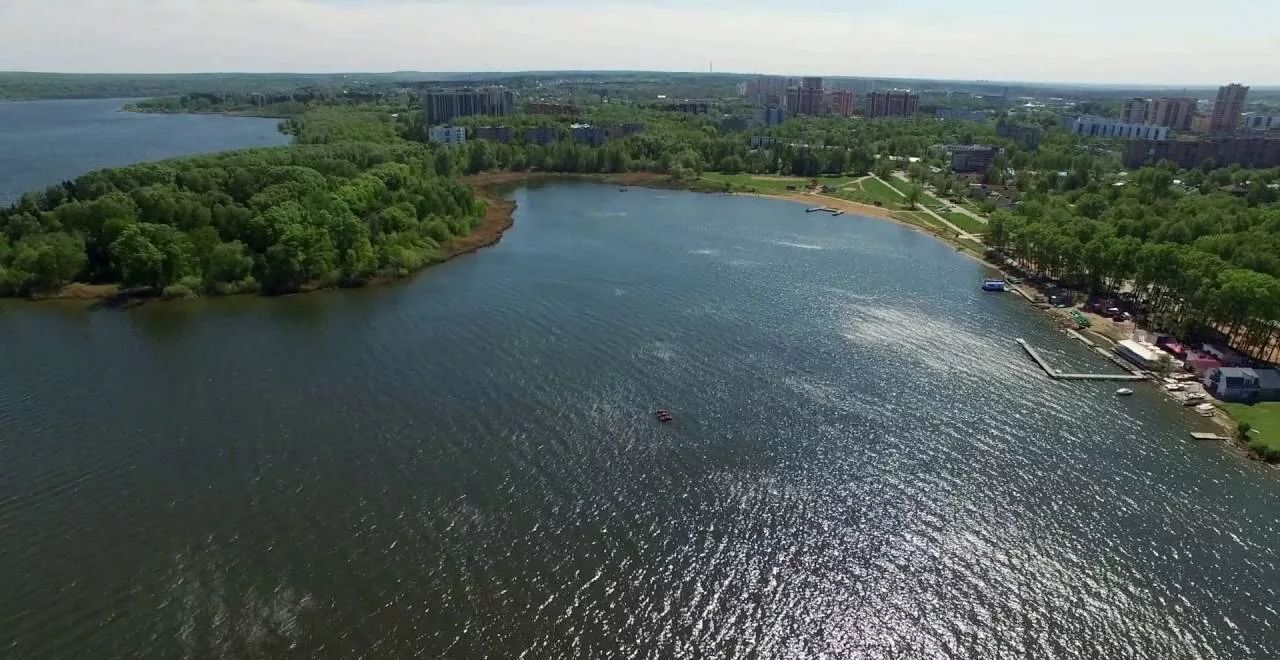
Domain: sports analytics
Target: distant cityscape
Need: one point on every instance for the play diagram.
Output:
(1181, 129)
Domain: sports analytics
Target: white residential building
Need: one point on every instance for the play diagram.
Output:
(448, 135)
(1257, 122)
(1101, 127)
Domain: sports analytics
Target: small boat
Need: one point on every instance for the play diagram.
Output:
(1205, 408)
(1175, 387)
(1124, 391)
(1192, 399)
(993, 285)
(664, 416)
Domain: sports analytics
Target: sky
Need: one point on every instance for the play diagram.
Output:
(1173, 42)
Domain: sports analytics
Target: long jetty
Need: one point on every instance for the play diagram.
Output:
(1058, 375)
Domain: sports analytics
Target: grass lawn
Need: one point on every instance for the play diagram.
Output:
(764, 183)
(870, 191)
(965, 222)
(1263, 417)
(922, 219)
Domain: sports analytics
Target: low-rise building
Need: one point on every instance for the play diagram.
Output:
(971, 157)
(731, 124)
(542, 135)
(447, 135)
(952, 114)
(1144, 354)
(1259, 122)
(771, 116)
(1243, 384)
(598, 135)
(1101, 127)
(1247, 151)
(502, 134)
(1026, 135)
(558, 109)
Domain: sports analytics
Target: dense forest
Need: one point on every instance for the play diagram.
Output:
(271, 220)
(1199, 254)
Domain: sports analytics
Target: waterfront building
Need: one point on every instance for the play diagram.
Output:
(443, 106)
(1243, 384)
(1228, 107)
(1141, 353)
(450, 136)
(892, 103)
(1247, 151)
(1102, 127)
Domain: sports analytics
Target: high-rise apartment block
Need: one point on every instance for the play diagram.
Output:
(1135, 111)
(445, 106)
(893, 103)
(1228, 107)
(842, 103)
(1176, 113)
(805, 99)
(759, 86)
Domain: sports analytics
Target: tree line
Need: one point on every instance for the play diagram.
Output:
(1196, 260)
(273, 220)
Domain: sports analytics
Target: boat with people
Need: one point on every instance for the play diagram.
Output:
(993, 285)
(664, 416)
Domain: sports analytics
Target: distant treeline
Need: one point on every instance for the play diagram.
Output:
(274, 220)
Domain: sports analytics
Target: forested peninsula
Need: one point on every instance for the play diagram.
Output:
(273, 220)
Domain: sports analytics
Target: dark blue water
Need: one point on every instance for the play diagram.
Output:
(45, 142)
(863, 463)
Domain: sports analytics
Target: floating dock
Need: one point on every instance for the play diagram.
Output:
(1209, 436)
(824, 209)
(1058, 375)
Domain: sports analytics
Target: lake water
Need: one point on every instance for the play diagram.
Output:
(466, 464)
(45, 142)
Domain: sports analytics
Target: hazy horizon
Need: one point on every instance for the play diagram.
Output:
(1091, 42)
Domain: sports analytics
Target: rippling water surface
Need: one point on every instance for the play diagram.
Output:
(45, 142)
(863, 464)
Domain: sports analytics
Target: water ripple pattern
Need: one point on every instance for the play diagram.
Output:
(863, 464)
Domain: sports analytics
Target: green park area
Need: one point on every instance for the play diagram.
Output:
(1264, 418)
(762, 183)
(965, 222)
(872, 191)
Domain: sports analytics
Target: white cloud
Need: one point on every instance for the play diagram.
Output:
(994, 39)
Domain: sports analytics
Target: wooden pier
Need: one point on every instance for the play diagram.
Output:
(1058, 375)
(1209, 437)
(824, 209)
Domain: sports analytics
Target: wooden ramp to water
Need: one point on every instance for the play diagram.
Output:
(1058, 375)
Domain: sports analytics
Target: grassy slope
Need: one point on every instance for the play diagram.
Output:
(965, 222)
(1264, 417)
(771, 184)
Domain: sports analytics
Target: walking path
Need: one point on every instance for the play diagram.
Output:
(959, 232)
